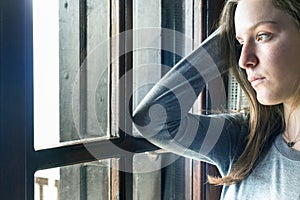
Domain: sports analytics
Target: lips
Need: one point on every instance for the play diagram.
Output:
(256, 80)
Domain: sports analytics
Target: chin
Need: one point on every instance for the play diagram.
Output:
(268, 97)
(267, 101)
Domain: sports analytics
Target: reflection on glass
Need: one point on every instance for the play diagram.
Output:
(147, 182)
(95, 181)
(162, 36)
(147, 48)
(71, 70)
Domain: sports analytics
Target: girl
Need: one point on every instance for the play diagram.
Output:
(257, 152)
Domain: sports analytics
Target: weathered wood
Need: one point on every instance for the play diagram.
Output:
(84, 80)
(69, 62)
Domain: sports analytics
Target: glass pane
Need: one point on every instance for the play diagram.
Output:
(90, 181)
(162, 35)
(147, 182)
(147, 46)
(236, 100)
(165, 176)
(71, 70)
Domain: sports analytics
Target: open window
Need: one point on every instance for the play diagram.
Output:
(87, 65)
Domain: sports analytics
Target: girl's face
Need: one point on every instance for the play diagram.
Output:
(270, 53)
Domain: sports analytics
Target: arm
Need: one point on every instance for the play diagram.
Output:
(162, 116)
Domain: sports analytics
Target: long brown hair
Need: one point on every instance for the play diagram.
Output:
(265, 122)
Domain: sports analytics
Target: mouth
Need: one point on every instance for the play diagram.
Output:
(255, 81)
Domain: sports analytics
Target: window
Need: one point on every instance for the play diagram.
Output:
(67, 78)
(237, 98)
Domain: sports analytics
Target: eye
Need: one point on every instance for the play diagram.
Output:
(262, 37)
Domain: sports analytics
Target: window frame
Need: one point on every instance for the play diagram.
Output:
(20, 160)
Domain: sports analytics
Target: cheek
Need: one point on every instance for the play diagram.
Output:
(287, 56)
(290, 63)
(283, 60)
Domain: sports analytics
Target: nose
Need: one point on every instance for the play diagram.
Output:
(248, 58)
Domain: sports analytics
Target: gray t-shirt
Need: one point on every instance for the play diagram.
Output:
(276, 177)
(163, 118)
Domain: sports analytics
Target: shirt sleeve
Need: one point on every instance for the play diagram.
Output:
(163, 117)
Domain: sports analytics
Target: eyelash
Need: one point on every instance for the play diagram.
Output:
(262, 37)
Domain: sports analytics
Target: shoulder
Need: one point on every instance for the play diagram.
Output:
(233, 120)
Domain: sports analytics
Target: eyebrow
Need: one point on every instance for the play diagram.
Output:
(263, 22)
